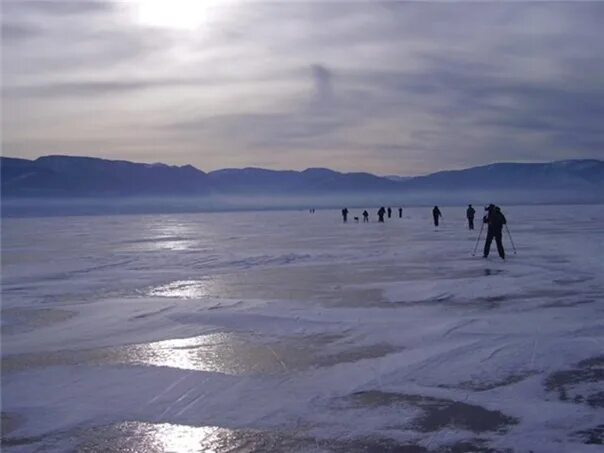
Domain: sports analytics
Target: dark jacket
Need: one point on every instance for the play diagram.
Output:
(470, 213)
(495, 219)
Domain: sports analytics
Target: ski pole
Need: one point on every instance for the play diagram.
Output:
(511, 240)
(478, 240)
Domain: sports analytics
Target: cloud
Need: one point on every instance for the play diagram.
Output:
(323, 96)
(12, 32)
(356, 86)
(96, 87)
(59, 7)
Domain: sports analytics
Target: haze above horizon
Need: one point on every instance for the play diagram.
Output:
(388, 88)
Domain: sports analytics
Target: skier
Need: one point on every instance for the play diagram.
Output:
(495, 220)
(345, 214)
(436, 214)
(470, 215)
(365, 216)
(381, 213)
(400, 213)
(389, 212)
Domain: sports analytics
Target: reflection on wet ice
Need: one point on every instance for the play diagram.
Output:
(134, 436)
(179, 438)
(151, 438)
(184, 289)
(170, 235)
(227, 353)
(221, 352)
(235, 354)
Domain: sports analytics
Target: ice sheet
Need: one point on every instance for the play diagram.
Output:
(295, 332)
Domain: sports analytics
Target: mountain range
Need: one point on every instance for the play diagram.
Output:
(66, 177)
(89, 176)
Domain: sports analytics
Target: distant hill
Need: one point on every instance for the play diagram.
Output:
(66, 176)
(309, 181)
(578, 175)
(80, 177)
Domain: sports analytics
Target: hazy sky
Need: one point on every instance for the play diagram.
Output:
(391, 88)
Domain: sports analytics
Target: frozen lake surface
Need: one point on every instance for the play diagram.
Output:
(288, 331)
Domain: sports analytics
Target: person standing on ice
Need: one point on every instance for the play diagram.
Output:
(345, 214)
(495, 220)
(400, 213)
(470, 215)
(365, 216)
(389, 212)
(381, 213)
(436, 214)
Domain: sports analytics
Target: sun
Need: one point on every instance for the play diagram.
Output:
(175, 14)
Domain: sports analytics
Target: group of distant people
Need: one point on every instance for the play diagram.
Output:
(381, 213)
(494, 218)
